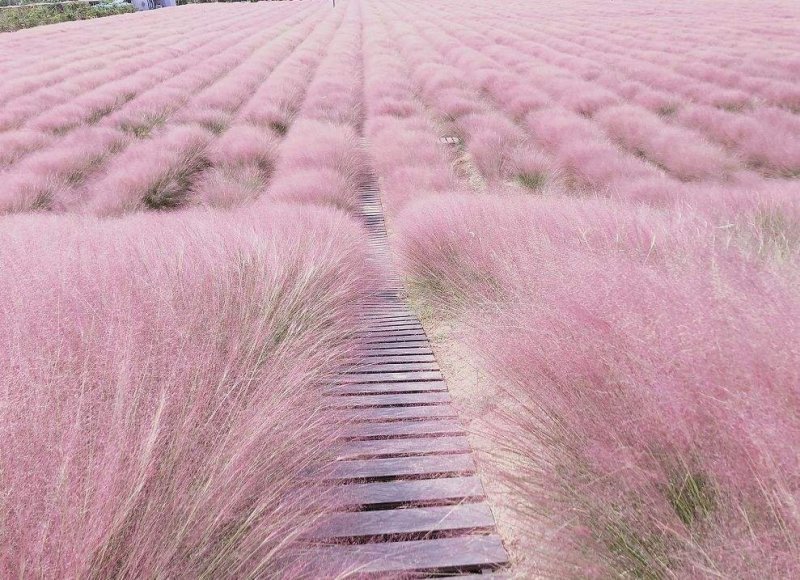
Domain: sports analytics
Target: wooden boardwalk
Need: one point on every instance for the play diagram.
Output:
(411, 502)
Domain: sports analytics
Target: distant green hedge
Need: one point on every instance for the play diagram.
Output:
(28, 17)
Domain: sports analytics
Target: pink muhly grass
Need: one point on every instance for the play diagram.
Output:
(320, 186)
(89, 107)
(214, 120)
(532, 168)
(683, 153)
(762, 218)
(583, 153)
(320, 145)
(272, 117)
(784, 94)
(491, 140)
(151, 174)
(244, 145)
(656, 191)
(18, 143)
(434, 78)
(147, 112)
(763, 140)
(583, 98)
(598, 163)
(403, 144)
(14, 115)
(407, 183)
(394, 107)
(36, 182)
(242, 161)
(228, 185)
(454, 104)
(649, 407)
(166, 419)
(517, 97)
(555, 127)
(334, 100)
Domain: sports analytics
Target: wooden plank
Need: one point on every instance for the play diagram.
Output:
(405, 521)
(426, 465)
(395, 343)
(443, 554)
(412, 446)
(397, 317)
(369, 366)
(376, 328)
(485, 576)
(396, 429)
(398, 358)
(397, 413)
(390, 377)
(352, 401)
(424, 350)
(386, 388)
(415, 491)
(386, 314)
(401, 324)
(373, 334)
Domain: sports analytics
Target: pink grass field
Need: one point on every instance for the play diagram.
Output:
(617, 206)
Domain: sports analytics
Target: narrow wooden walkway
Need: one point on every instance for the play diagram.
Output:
(411, 502)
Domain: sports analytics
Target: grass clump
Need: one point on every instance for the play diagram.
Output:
(144, 128)
(692, 497)
(170, 189)
(534, 181)
(280, 127)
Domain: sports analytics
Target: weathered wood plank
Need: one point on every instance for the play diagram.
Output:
(390, 377)
(397, 413)
(388, 315)
(443, 554)
(393, 336)
(386, 388)
(486, 576)
(394, 343)
(415, 491)
(404, 334)
(426, 465)
(396, 315)
(368, 366)
(397, 429)
(405, 521)
(396, 325)
(352, 401)
(377, 352)
(398, 358)
(412, 446)
(409, 330)
(378, 330)
(410, 324)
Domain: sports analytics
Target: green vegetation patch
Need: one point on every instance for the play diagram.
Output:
(17, 18)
